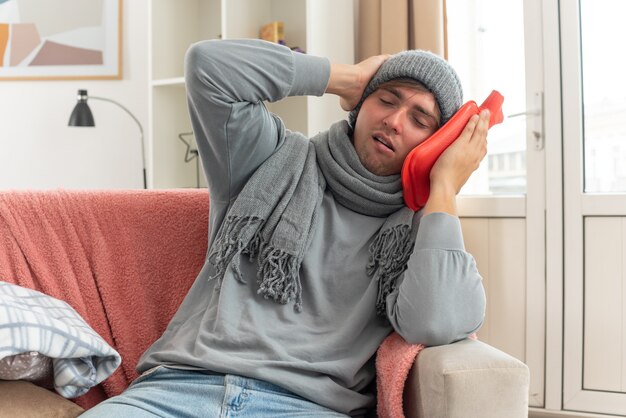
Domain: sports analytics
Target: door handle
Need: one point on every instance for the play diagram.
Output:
(537, 132)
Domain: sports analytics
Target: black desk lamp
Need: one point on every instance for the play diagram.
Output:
(82, 116)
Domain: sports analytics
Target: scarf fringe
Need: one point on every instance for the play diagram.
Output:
(278, 273)
(230, 242)
(279, 277)
(389, 254)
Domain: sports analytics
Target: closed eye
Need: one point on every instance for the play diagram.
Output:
(423, 122)
(419, 123)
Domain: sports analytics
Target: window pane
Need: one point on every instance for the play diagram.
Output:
(604, 94)
(486, 47)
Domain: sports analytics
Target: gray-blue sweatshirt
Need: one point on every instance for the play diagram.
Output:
(326, 352)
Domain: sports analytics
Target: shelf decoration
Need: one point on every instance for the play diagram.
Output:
(191, 153)
(273, 32)
(60, 40)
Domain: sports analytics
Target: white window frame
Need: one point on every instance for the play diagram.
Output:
(532, 206)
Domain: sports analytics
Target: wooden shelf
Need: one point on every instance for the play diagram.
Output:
(176, 81)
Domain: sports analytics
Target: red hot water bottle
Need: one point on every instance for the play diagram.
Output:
(419, 162)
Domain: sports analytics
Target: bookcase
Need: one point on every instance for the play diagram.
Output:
(319, 27)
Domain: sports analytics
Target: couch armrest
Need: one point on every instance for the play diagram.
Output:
(466, 379)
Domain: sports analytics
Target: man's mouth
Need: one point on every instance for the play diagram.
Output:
(383, 140)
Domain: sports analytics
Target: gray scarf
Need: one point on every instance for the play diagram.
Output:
(273, 218)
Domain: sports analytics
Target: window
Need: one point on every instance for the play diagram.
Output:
(604, 95)
(486, 47)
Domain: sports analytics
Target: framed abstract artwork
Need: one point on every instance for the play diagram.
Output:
(60, 39)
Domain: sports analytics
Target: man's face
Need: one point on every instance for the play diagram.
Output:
(391, 122)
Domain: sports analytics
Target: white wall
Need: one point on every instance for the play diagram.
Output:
(39, 151)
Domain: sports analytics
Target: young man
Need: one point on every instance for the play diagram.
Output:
(313, 257)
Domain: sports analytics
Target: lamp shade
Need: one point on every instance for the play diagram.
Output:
(81, 115)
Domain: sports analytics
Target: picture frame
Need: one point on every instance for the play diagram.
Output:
(60, 40)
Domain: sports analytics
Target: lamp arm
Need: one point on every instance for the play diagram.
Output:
(143, 147)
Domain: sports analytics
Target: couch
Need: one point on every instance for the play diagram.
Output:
(124, 260)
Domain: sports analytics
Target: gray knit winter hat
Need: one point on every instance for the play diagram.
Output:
(429, 69)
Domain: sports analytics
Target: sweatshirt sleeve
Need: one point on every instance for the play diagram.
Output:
(227, 82)
(440, 298)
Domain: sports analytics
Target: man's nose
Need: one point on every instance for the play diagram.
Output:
(395, 120)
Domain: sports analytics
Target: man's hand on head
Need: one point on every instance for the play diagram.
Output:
(349, 81)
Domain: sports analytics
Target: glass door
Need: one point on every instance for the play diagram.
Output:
(594, 128)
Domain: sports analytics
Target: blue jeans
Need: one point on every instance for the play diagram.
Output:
(167, 392)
